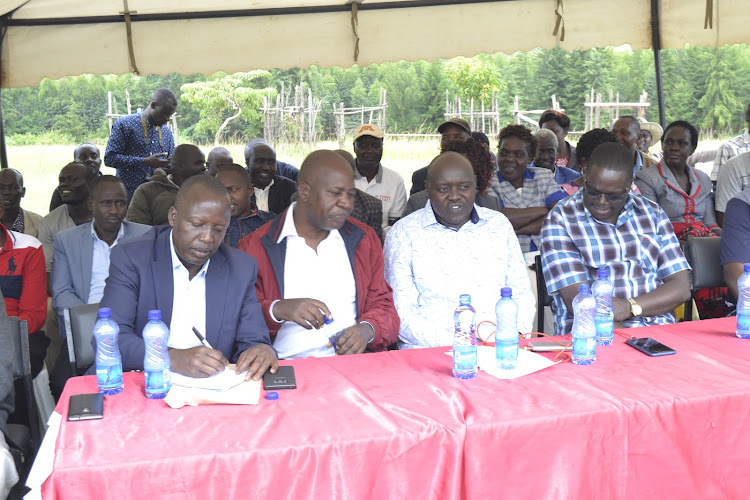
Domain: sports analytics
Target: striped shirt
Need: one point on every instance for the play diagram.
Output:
(639, 252)
(539, 190)
(730, 149)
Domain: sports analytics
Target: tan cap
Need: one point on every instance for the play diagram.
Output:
(368, 129)
(455, 121)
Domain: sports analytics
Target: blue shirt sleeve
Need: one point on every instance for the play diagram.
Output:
(735, 236)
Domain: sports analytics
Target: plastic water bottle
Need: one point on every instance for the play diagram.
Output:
(506, 332)
(584, 330)
(743, 304)
(108, 359)
(465, 340)
(156, 359)
(604, 320)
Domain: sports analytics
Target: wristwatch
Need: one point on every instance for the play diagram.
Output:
(635, 309)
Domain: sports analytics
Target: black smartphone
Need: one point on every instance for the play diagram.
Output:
(282, 379)
(86, 407)
(650, 347)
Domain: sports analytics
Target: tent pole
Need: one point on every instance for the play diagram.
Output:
(3, 151)
(656, 42)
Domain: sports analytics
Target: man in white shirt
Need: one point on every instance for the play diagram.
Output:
(316, 264)
(185, 271)
(273, 193)
(80, 261)
(453, 247)
(373, 178)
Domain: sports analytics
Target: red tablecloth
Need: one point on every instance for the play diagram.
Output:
(398, 425)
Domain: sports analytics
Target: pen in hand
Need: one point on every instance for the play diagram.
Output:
(201, 338)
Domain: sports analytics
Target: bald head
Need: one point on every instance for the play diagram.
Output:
(199, 220)
(200, 187)
(446, 160)
(325, 192)
(451, 187)
(347, 156)
(218, 158)
(11, 190)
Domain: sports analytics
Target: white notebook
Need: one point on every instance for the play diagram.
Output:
(219, 382)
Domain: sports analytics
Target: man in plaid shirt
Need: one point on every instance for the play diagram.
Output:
(604, 225)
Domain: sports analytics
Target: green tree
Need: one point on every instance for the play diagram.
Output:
(719, 104)
(476, 78)
(225, 99)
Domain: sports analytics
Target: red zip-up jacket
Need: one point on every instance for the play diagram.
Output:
(23, 278)
(374, 297)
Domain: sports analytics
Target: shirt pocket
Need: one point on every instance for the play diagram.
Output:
(649, 254)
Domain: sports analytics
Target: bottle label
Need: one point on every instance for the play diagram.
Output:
(157, 380)
(109, 376)
(604, 327)
(584, 347)
(465, 358)
(743, 321)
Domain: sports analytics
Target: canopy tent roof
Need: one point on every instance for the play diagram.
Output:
(56, 38)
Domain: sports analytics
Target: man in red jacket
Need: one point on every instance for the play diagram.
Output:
(23, 281)
(320, 273)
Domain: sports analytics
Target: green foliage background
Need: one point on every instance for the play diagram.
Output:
(707, 86)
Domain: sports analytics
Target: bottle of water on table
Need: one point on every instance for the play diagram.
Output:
(156, 360)
(464, 340)
(604, 319)
(108, 360)
(506, 331)
(743, 304)
(584, 330)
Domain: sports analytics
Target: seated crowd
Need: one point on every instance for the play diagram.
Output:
(273, 262)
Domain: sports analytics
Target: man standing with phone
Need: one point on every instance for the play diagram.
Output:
(142, 142)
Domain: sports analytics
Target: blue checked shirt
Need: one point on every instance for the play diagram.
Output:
(639, 252)
(539, 190)
(127, 148)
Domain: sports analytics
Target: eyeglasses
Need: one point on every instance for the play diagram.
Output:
(612, 197)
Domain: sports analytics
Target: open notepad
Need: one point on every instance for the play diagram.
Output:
(221, 381)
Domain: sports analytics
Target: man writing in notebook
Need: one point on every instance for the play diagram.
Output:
(185, 271)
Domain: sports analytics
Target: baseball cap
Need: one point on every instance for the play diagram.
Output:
(455, 121)
(368, 129)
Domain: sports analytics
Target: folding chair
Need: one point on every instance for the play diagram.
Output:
(31, 438)
(542, 298)
(703, 255)
(79, 329)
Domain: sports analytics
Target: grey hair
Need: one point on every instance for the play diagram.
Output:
(250, 150)
(544, 133)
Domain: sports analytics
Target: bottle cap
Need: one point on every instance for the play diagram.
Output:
(105, 312)
(602, 273)
(327, 321)
(154, 315)
(272, 396)
(506, 292)
(464, 298)
(747, 267)
(584, 288)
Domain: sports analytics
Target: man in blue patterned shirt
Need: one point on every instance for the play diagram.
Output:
(140, 143)
(605, 225)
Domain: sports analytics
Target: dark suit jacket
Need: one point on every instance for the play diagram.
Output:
(140, 279)
(417, 180)
(280, 194)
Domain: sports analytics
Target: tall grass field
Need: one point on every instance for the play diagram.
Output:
(40, 165)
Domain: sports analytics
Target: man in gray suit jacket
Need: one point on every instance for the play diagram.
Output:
(80, 263)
